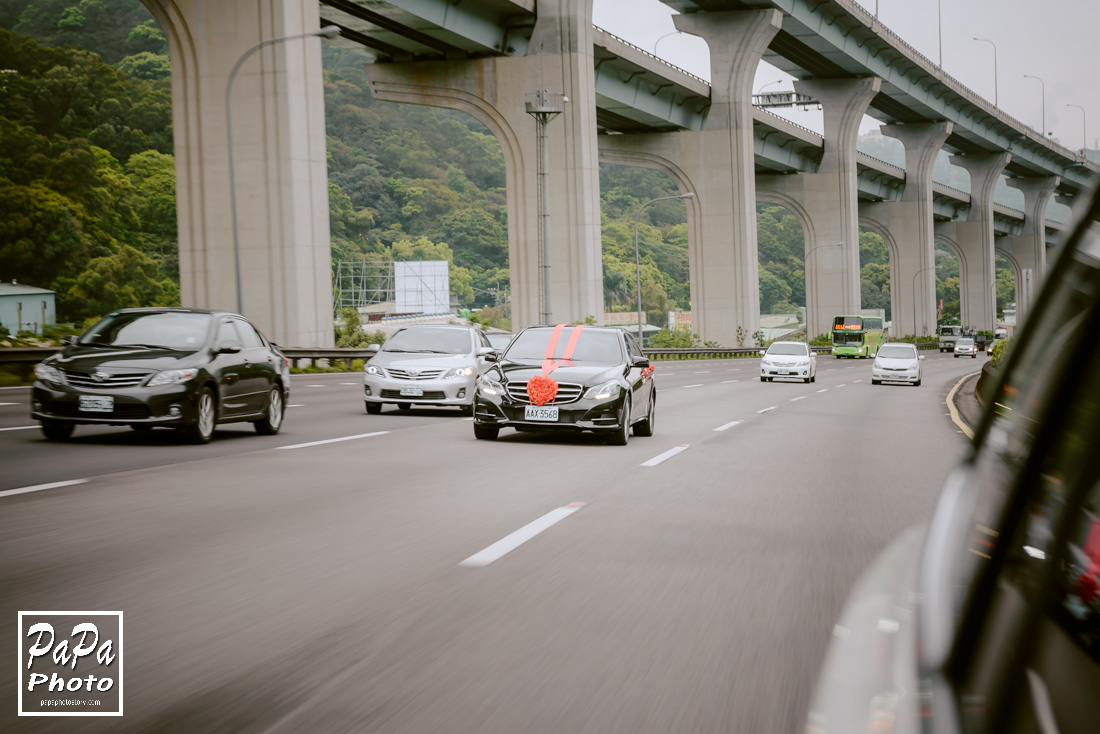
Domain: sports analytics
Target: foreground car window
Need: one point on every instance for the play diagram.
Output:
(428, 340)
(897, 353)
(184, 331)
(592, 346)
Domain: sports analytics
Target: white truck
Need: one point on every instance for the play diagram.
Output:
(948, 336)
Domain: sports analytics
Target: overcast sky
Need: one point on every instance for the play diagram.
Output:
(1055, 40)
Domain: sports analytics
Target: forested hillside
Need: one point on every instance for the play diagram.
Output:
(87, 183)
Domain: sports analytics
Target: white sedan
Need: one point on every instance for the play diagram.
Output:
(788, 359)
(897, 362)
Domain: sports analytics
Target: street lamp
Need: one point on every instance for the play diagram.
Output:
(1044, 98)
(544, 106)
(939, 27)
(1084, 128)
(994, 67)
(637, 257)
(761, 90)
(674, 33)
(914, 288)
(329, 31)
(806, 273)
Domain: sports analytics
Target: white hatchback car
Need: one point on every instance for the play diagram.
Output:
(897, 362)
(788, 359)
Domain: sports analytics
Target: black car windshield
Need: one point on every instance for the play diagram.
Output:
(175, 330)
(430, 340)
(796, 350)
(592, 346)
(897, 353)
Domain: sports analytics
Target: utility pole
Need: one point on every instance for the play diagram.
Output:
(544, 106)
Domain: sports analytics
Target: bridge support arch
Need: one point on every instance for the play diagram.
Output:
(874, 225)
(279, 151)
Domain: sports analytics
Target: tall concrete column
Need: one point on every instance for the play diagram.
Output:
(912, 226)
(279, 147)
(830, 200)
(975, 238)
(725, 289)
(493, 90)
(1029, 248)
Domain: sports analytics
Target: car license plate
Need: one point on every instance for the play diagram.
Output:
(412, 392)
(784, 372)
(540, 413)
(97, 403)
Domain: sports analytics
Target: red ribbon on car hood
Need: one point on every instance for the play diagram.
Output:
(542, 389)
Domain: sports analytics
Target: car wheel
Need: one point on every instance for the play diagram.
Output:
(271, 422)
(203, 428)
(763, 379)
(644, 428)
(373, 408)
(57, 430)
(875, 382)
(813, 377)
(806, 380)
(467, 410)
(403, 406)
(956, 356)
(917, 383)
(485, 432)
(622, 435)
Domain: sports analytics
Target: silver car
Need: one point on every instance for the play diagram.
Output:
(426, 365)
(965, 347)
(896, 363)
(788, 359)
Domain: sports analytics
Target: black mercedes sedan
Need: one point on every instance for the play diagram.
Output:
(183, 368)
(576, 378)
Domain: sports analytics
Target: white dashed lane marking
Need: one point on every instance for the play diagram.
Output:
(39, 487)
(800, 397)
(699, 385)
(731, 424)
(824, 390)
(18, 428)
(724, 382)
(510, 542)
(765, 410)
(665, 456)
(333, 440)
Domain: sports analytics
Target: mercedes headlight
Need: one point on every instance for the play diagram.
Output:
(172, 377)
(490, 387)
(606, 391)
(370, 369)
(458, 372)
(46, 373)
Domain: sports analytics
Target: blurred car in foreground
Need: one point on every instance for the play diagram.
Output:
(602, 383)
(426, 364)
(965, 347)
(499, 340)
(898, 362)
(183, 368)
(987, 620)
(788, 359)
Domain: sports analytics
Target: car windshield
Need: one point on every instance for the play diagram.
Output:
(897, 353)
(429, 340)
(174, 330)
(964, 343)
(796, 350)
(592, 346)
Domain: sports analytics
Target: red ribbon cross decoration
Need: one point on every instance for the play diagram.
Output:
(543, 388)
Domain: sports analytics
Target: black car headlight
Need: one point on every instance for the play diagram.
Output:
(48, 373)
(172, 377)
(606, 391)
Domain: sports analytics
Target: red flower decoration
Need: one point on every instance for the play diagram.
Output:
(542, 389)
(648, 372)
(1087, 588)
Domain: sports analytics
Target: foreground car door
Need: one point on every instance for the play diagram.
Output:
(229, 370)
(258, 364)
(641, 388)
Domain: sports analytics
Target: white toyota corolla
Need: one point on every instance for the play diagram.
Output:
(897, 362)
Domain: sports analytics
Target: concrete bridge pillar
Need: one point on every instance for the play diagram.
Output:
(975, 238)
(279, 147)
(830, 200)
(493, 90)
(1029, 248)
(912, 226)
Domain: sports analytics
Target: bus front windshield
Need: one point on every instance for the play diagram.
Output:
(847, 338)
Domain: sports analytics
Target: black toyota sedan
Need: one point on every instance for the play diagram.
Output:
(601, 383)
(187, 369)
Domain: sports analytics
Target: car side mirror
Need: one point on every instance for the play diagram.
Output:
(68, 340)
(489, 355)
(229, 347)
(373, 348)
(485, 351)
(642, 362)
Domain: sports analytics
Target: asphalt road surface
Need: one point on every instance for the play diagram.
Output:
(687, 582)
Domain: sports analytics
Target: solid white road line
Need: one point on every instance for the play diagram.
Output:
(731, 424)
(333, 440)
(800, 397)
(37, 487)
(665, 456)
(765, 410)
(510, 542)
(699, 385)
(726, 382)
(17, 428)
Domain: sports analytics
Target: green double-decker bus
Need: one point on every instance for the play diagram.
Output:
(856, 336)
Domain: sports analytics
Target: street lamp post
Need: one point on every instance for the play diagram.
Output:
(544, 106)
(761, 90)
(805, 270)
(915, 275)
(637, 257)
(939, 27)
(674, 33)
(1044, 98)
(994, 67)
(1084, 127)
(329, 31)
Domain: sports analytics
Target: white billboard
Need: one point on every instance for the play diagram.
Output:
(422, 286)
